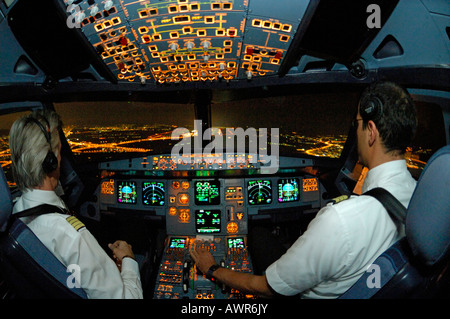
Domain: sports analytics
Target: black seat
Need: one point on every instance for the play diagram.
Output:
(28, 267)
(417, 265)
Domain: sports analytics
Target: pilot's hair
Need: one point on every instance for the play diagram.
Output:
(29, 147)
(396, 122)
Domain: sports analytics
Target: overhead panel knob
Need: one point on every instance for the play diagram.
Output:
(173, 47)
(108, 5)
(189, 46)
(206, 45)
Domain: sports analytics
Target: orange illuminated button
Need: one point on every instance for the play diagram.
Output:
(184, 199)
(172, 211)
(232, 228)
(176, 185)
(185, 185)
(184, 215)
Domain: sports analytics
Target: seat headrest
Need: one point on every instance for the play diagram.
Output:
(428, 217)
(5, 201)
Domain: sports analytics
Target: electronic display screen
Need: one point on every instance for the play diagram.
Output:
(177, 242)
(310, 185)
(126, 192)
(207, 221)
(153, 193)
(236, 242)
(207, 192)
(288, 190)
(259, 192)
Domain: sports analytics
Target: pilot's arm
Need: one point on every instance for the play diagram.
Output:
(243, 282)
(100, 276)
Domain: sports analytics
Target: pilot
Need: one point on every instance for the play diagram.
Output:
(36, 154)
(343, 240)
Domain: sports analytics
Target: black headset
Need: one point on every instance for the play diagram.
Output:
(371, 108)
(50, 162)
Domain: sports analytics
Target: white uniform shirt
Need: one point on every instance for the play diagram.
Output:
(99, 275)
(343, 240)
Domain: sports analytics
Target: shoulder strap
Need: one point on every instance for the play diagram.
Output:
(39, 210)
(395, 209)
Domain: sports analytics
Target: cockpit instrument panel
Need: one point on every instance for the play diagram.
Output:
(288, 190)
(126, 192)
(259, 192)
(153, 193)
(208, 221)
(207, 192)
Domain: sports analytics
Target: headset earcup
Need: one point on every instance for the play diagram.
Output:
(373, 109)
(50, 163)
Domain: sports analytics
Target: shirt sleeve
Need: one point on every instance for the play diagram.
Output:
(99, 275)
(319, 254)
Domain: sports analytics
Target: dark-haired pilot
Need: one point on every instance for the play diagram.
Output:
(36, 154)
(343, 240)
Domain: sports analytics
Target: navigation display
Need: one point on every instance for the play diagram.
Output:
(288, 190)
(153, 193)
(126, 192)
(177, 242)
(207, 221)
(259, 192)
(207, 192)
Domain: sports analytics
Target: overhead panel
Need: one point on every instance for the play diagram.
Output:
(269, 31)
(189, 40)
(175, 41)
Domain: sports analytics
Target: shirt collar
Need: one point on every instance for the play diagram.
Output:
(377, 175)
(37, 197)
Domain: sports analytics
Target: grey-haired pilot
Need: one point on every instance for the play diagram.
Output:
(36, 155)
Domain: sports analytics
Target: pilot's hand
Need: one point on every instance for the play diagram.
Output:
(203, 258)
(120, 250)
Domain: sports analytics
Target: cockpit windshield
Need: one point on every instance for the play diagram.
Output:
(138, 128)
(124, 128)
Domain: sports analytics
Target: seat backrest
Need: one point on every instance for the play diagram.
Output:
(428, 220)
(28, 267)
(415, 265)
(5, 202)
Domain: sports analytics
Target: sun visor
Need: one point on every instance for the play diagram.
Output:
(41, 29)
(339, 31)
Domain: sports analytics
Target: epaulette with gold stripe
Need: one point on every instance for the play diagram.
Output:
(75, 222)
(339, 199)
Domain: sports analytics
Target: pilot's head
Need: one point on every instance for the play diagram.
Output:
(35, 149)
(390, 109)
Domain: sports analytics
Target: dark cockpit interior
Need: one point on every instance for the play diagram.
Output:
(200, 120)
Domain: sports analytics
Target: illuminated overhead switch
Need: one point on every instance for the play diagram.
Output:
(278, 55)
(123, 41)
(249, 51)
(173, 47)
(189, 46)
(205, 45)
